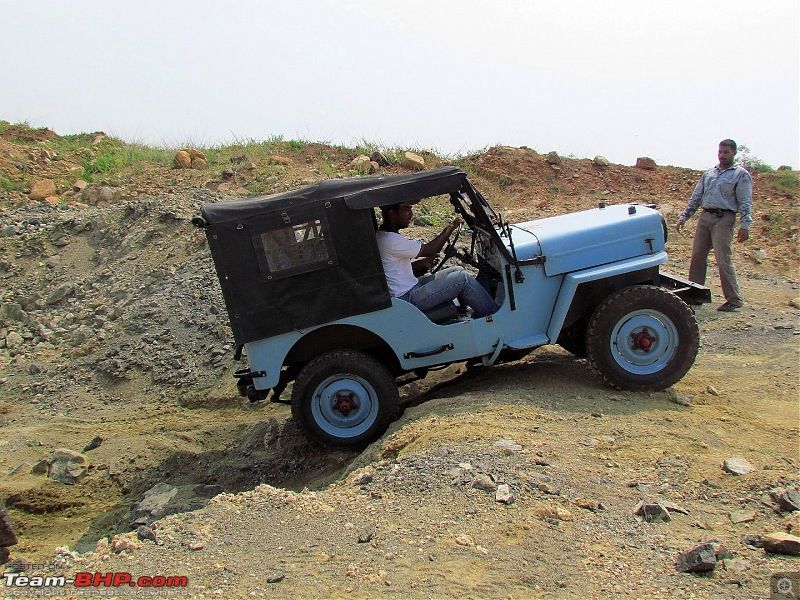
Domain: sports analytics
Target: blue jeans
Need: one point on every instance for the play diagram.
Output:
(448, 284)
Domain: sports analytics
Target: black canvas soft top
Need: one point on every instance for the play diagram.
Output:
(357, 193)
(309, 256)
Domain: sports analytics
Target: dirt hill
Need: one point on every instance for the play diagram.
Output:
(114, 345)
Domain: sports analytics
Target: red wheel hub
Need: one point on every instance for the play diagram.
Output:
(643, 340)
(344, 403)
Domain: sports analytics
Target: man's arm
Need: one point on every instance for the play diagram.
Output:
(435, 246)
(744, 199)
(692, 205)
(423, 265)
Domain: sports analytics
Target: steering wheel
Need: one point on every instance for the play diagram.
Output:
(450, 249)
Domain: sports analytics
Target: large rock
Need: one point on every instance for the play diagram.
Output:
(67, 466)
(42, 189)
(781, 543)
(11, 313)
(700, 559)
(601, 161)
(379, 158)
(648, 164)
(363, 164)
(553, 158)
(58, 294)
(182, 160)
(413, 161)
(7, 537)
(736, 465)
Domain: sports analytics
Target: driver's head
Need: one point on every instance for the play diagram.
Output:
(397, 216)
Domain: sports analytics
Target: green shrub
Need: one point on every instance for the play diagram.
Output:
(787, 182)
(750, 161)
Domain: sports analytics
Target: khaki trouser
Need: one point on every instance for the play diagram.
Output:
(715, 232)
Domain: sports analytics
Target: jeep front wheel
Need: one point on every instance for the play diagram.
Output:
(642, 338)
(345, 397)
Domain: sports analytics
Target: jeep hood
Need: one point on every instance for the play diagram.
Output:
(590, 238)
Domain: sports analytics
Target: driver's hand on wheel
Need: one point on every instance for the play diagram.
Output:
(455, 224)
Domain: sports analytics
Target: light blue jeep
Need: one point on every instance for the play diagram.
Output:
(307, 298)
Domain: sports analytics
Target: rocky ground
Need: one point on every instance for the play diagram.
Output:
(523, 480)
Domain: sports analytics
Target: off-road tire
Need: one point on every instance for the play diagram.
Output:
(362, 380)
(655, 363)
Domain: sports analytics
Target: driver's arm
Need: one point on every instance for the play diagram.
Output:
(423, 265)
(435, 246)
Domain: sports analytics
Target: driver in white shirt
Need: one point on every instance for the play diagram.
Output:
(405, 263)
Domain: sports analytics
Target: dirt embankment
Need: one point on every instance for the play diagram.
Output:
(116, 347)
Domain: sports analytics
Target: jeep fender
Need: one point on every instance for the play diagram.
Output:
(571, 281)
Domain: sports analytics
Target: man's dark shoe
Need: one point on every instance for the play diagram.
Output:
(730, 307)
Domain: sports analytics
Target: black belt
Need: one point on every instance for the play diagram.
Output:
(719, 212)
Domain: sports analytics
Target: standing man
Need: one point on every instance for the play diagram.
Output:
(722, 192)
(406, 275)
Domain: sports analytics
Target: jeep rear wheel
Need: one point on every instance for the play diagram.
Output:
(345, 397)
(642, 338)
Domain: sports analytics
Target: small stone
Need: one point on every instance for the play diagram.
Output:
(485, 483)
(672, 507)
(276, 577)
(507, 445)
(366, 535)
(143, 532)
(94, 443)
(737, 466)
(363, 479)
(753, 540)
(601, 161)
(503, 494)
(652, 513)
(124, 544)
(742, 516)
(699, 559)
(712, 390)
(679, 398)
(465, 540)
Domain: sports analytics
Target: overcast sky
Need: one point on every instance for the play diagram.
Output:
(623, 79)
